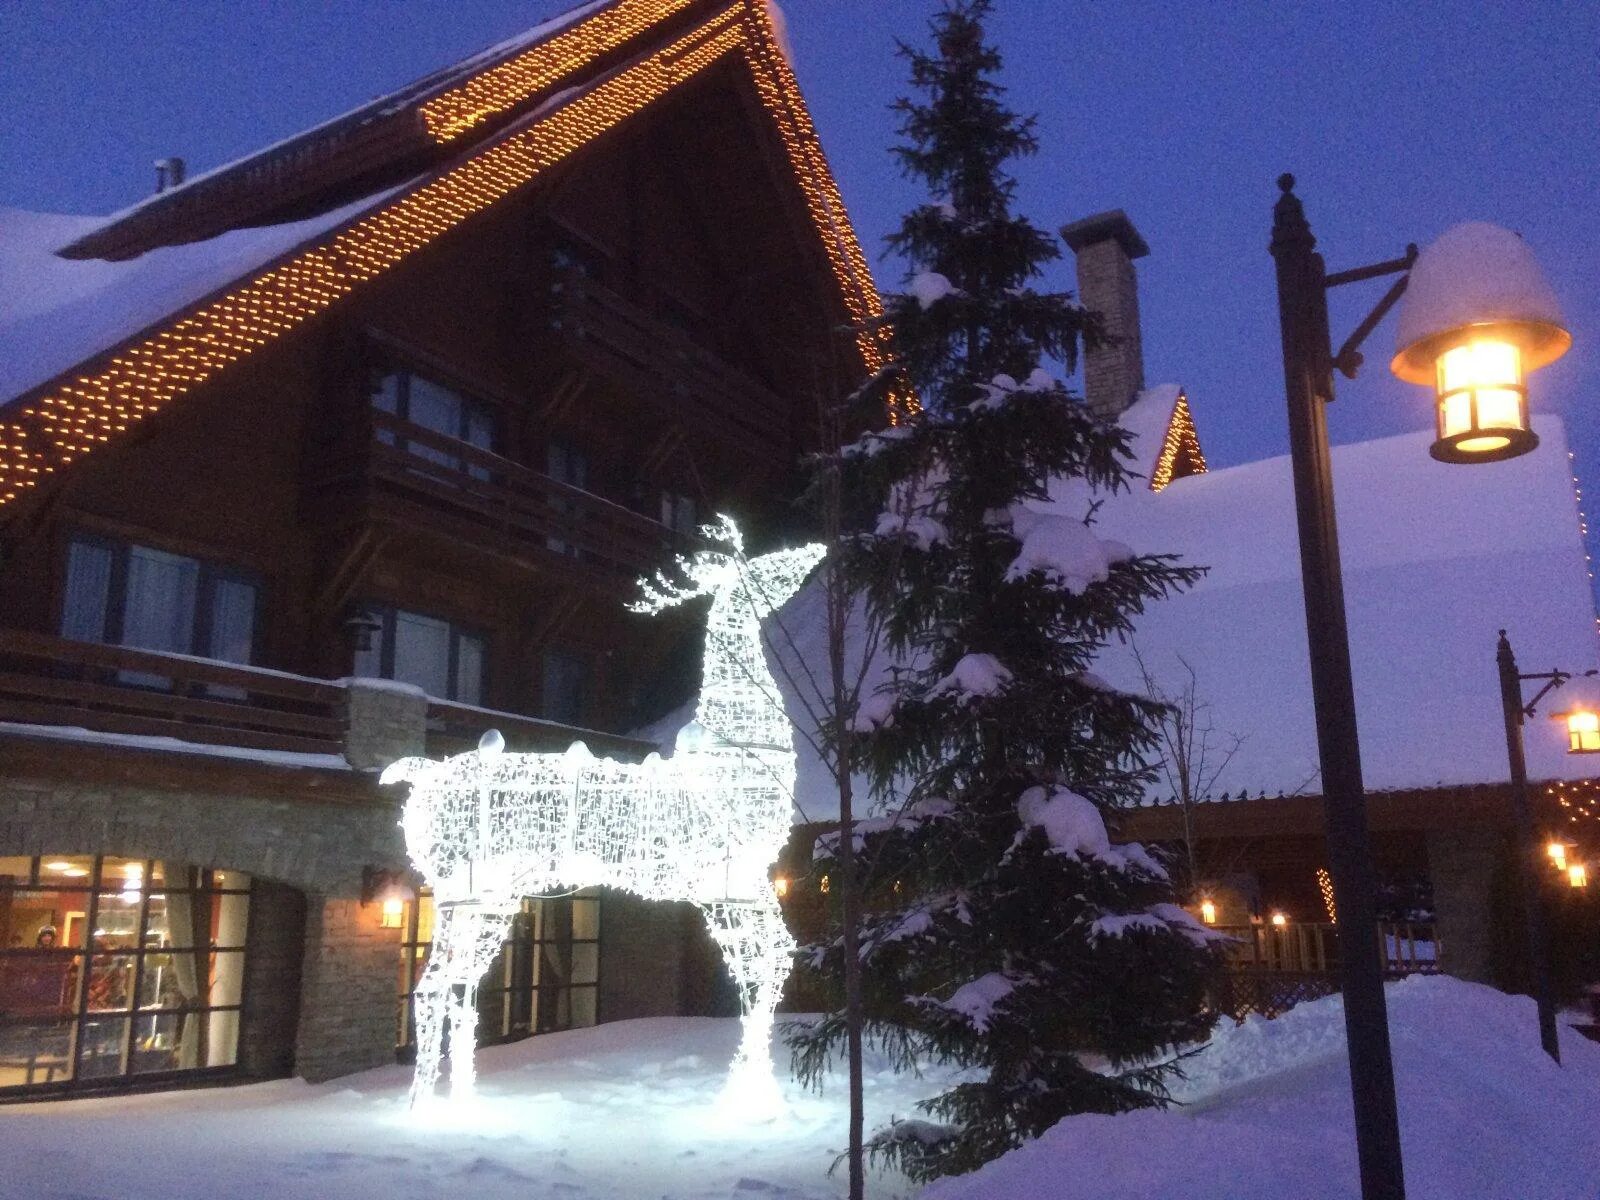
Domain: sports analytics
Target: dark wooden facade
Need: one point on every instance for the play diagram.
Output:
(658, 307)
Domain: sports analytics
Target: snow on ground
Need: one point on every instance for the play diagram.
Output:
(1484, 1115)
(623, 1112)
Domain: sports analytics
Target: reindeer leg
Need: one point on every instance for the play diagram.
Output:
(429, 1004)
(479, 936)
(759, 950)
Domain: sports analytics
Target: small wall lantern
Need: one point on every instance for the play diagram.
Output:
(1280, 920)
(1557, 850)
(1476, 318)
(1578, 875)
(1208, 911)
(388, 889)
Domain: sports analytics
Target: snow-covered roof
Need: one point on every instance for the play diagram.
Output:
(56, 312)
(1437, 559)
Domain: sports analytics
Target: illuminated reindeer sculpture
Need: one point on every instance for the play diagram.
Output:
(486, 828)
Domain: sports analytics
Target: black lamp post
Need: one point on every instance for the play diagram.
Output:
(1308, 362)
(1529, 852)
(1475, 349)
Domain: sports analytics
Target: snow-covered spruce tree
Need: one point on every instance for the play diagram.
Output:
(1006, 932)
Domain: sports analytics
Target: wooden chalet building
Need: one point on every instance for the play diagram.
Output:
(353, 449)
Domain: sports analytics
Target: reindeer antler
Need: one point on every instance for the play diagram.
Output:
(705, 571)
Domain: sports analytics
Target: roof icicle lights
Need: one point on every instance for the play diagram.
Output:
(77, 414)
(1180, 451)
(487, 828)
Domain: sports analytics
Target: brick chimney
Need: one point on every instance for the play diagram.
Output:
(1106, 245)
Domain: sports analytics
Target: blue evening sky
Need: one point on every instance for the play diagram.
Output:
(1399, 119)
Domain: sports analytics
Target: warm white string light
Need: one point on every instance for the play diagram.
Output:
(486, 828)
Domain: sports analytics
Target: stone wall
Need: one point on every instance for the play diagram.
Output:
(272, 980)
(347, 990)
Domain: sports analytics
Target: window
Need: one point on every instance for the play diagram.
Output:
(545, 979)
(441, 658)
(677, 513)
(573, 255)
(115, 969)
(439, 408)
(564, 687)
(125, 594)
(566, 464)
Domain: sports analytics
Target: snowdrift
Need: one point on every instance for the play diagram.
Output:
(1484, 1114)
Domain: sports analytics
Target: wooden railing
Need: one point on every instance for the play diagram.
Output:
(667, 367)
(1313, 946)
(454, 727)
(53, 681)
(479, 492)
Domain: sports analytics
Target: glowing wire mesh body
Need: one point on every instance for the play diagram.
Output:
(486, 828)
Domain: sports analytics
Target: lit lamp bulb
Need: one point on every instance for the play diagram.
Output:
(1280, 920)
(1208, 912)
(1477, 316)
(1583, 730)
(1557, 851)
(1578, 875)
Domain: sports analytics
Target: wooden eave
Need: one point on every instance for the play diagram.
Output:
(1442, 807)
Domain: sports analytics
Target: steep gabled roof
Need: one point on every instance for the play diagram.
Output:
(496, 123)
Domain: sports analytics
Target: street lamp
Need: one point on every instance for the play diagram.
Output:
(1515, 713)
(1477, 317)
(1457, 309)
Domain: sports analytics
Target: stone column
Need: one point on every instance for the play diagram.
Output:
(348, 990)
(1466, 867)
(383, 721)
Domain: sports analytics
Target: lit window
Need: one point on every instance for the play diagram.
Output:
(117, 969)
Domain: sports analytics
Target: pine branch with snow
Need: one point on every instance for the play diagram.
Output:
(1007, 930)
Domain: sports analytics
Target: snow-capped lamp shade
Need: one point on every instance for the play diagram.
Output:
(1583, 728)
(1476, 319)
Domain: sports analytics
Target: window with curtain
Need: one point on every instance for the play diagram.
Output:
(565, 687)
(126, 594)
(437, 407)
(678, 513)
(440, 657)
(116, 970)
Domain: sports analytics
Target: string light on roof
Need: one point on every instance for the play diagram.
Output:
(1583, 522)
(138, 381)
(486, 828)
(1182, 443)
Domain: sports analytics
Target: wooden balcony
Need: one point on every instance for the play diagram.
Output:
(666, 368)
(51, 681)
(411, 477)
(454, 727)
